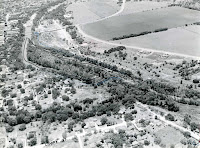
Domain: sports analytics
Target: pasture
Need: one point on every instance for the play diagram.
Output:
(136, 23)
(134, 7)
(183, 40)
(169, 136)
(93, 10)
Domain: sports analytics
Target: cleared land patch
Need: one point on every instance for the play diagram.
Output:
(183, 40)
(136, 23)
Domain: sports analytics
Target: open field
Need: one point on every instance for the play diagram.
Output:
(169, 136)
(133, 7)
(193, 111)
(184, 40)
(84, 12)
(118, 26)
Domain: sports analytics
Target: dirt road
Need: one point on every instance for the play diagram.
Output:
(173, 124)
(84, 34)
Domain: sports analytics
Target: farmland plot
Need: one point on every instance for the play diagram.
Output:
(183, 40)
(136, 23)
(133, 7)
(85, 12)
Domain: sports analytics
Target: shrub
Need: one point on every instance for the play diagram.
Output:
(128, 117)
(49, 91)
(32, 142)
(187, 134)
(9, 129)
(104, 120)
(19, 86)
(169, 117)
(22, 90)
(44, 140)
(134, 112)
(22, 127)
(193, 126)
(83, 124)
(30, 135)
(38, 107)
(195, 81)
(157, 140)
(20, 145)
(45, 96)
(146, 142)
(13, 95)
(65, 98)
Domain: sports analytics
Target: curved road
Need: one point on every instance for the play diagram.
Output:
(173, 124)
(24, 52)
(194, 135)
(127, 46)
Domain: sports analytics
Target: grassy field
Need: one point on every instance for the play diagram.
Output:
(118, 26)
(183, 40)
(133, 7)
(85, 12)
(169, 136)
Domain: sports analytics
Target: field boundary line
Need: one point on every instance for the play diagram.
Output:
(133, 47)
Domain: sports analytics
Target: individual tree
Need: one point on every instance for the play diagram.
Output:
(169, 117)
(33, 142)
(30, 136)
(38, 114)
(128, 117)
(38, 107)
(73, 91)
(22, 127)
(157, 140)
(49, 91)
(193, 126)
(4, 93)
(187, 119)
(83, 124)
(22, 90)
(27, 119)
(13, 95)
(12, 121)
(9, 128)
(77, 107)
(134, 112)
(44, 140)
(70, 126)
(172, 146)
(146, 142)
(187, 134)
(65, 98)
(45, 96)
(55, 93)
(20, 145)
(104, 120)
(19, 86)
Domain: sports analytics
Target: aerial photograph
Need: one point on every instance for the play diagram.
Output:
(99, 73)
